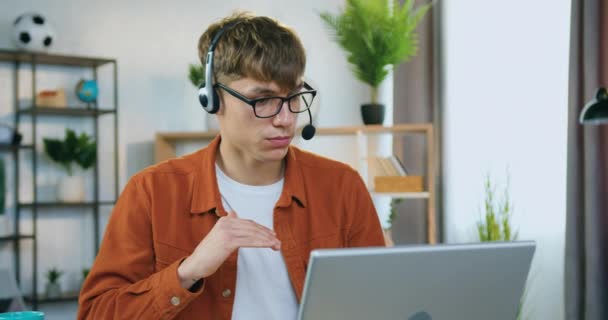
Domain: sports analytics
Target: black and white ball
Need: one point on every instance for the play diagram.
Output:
(32, 32)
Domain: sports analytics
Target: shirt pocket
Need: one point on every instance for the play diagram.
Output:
(166, 254)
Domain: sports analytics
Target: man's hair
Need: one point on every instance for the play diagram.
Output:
(257, 47)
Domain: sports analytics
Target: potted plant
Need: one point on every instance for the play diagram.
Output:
(53, 288)
(495, 224)
(377, 35)
(73, 149)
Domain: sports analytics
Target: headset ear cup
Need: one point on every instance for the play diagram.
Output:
(202, 96)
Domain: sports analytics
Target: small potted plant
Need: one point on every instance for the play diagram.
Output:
(79, 149)
(377, 35)
(53, 288)
(495, 224)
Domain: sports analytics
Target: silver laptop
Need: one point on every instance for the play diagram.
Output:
(441, 282)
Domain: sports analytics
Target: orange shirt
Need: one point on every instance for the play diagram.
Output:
(167, 209)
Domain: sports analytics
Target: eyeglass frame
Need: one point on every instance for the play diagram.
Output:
(252, 102)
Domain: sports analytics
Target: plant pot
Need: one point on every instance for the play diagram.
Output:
(372, 113)
(53, 290)
(71, 189)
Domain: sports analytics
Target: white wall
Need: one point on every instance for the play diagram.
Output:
(505, 93)
(153, 42)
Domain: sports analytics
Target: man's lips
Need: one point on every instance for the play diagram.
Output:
(279, 141)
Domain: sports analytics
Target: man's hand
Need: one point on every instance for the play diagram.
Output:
(229, 234)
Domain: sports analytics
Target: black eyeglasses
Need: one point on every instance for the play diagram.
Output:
(268, 107)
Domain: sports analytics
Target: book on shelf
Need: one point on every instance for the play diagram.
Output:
(390, 175)
(386, 166)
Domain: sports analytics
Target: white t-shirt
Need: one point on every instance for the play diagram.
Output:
(263, 289)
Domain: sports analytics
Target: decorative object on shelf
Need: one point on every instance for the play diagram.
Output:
(73, 149)
(596, 110)
(9, 136)
(377, 35)
(389, 175)
(33, 32)
(195, 74)
(87, 91)
(51, 98)
(53, 288)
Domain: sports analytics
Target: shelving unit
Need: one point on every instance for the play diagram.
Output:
(34, 112)
(165, 144)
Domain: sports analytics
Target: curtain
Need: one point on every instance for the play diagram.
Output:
(586, 258)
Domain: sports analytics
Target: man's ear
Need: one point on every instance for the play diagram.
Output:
(220, 96)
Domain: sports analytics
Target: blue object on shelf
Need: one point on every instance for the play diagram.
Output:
(87, 90)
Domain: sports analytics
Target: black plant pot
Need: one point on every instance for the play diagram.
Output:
(372, 113)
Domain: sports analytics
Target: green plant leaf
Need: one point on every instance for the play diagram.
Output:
(196, 74)
(375, 36)
(81, 150)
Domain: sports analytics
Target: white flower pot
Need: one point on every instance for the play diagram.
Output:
(71, 189)
(53, 290)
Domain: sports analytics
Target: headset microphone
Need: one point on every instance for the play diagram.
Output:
(309, 130)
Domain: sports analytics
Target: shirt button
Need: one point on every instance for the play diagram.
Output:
(226, 293)
(175, 301)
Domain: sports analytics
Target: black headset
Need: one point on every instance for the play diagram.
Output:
(207, 95)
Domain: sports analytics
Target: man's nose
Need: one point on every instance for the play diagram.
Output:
(284, 117)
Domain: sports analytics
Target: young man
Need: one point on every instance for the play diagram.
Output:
(226, 232)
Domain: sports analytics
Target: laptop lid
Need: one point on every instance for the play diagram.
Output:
(441, 282)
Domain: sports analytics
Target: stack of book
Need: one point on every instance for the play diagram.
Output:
(390, 175)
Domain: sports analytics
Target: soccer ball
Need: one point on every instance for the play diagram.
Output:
(32, 32)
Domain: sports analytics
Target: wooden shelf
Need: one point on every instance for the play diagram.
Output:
(66, 297)
(52, 59)
(375, 129)
(11, 148)
(165, 141)
(66, 111)
(402, 195)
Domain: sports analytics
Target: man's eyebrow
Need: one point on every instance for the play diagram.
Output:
(268, 91)
(261, 90)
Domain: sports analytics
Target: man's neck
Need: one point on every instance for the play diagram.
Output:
(248, 171)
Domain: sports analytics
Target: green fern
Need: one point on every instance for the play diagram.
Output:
(376, 35)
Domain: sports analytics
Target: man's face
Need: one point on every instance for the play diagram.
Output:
(250, 137)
